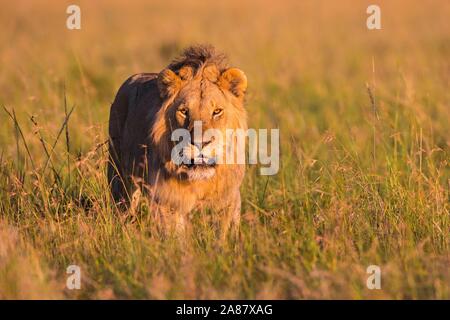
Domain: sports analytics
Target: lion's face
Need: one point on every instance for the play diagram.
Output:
(205, 105)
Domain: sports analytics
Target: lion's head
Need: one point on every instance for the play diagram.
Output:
(198, 89)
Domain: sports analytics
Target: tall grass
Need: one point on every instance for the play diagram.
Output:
(364, 177)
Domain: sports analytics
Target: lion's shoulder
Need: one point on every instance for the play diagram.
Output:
(137, 91)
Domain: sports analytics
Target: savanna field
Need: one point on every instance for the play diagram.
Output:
(364, 136)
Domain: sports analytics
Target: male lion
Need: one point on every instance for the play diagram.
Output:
(196, 87)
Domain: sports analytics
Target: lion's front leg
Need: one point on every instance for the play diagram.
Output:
(172, 222)
(232, 218)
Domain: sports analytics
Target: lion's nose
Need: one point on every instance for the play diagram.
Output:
(200, 144)
(198, 141)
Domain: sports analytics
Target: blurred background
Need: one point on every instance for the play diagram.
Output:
(292, 51)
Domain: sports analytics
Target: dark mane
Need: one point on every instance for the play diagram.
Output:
(198, 56)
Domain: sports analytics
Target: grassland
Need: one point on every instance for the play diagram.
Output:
(364, 128)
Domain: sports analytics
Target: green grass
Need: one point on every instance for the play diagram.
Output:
(360, 182)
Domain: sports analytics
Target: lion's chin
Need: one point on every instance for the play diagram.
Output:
(196, 172)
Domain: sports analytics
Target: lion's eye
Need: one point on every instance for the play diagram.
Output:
(183, 111)
(217, 111)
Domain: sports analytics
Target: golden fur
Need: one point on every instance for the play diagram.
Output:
(146, 110)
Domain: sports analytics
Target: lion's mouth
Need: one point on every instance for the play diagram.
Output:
(198, 169)
(200, 163)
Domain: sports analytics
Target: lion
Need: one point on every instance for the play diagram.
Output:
(196, 88)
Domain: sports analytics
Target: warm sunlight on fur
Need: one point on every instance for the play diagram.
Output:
(196, 87)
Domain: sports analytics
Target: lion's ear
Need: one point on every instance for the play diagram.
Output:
(168, 83)
(234, 80)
